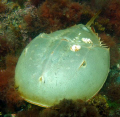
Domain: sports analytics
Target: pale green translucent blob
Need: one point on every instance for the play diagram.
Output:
(68, 63)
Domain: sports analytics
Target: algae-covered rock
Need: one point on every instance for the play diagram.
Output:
(70, 63)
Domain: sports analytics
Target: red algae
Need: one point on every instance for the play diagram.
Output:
(7, 91)
(2, 7)
(59, 14)
(28, 19)
(111, 14)
(4, 49)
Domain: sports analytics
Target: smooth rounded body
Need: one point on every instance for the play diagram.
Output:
(70, 63)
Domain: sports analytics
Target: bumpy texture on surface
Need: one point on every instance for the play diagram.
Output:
(70, 63)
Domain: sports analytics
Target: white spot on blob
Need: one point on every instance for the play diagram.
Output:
(86, 40)
(75, 48)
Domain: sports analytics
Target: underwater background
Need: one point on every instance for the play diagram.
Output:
(22, 20)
